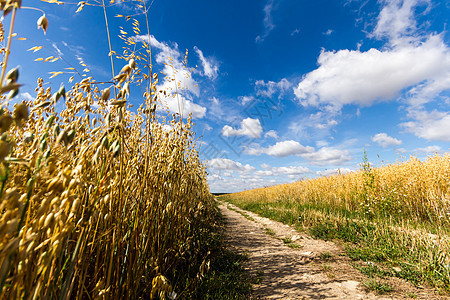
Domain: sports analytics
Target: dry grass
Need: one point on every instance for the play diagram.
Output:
(98, 201)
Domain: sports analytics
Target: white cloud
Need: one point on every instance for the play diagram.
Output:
(282, 149)
(27, 96)
(268, 21)
(269, 88)
(179, 84)
(409, 60)
(207, 127)
(355, 77)
(292, 170)
(384, 140)
(397, 21)
(245, 99)
(277, 171)
(430, 125)
(179, 104)
(295, 32)
(229, 165)
(328, 124)
(264, 173)
(249, 127)
(57, 49)
(328, 172)
(429, 149)
(271, 133)
(210, 67)
(327, 155)
(328, 32)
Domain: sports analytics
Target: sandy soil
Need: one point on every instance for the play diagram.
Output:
(284, 272)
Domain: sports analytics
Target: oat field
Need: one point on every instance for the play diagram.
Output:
(393, 220)
(97, 200)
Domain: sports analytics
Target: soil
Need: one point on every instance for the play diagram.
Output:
(288, 264)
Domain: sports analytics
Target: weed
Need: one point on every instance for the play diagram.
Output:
(325, 256)
(294, 246)
(377, 286)
(325, 268)
(269, 231)
(287, 240)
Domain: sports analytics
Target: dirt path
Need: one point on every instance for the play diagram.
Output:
(291, 265)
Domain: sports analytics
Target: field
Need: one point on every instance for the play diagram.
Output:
(396, 217)
(98, 200)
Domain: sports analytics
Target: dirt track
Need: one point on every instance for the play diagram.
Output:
(301, 271)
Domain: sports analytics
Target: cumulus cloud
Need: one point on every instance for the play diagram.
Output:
(385, 141)
(410, 61)
(323, 156)
(429, 125)
(249, 127)
(229, 165)
(327, 156)
(210, 67)
(179, 84)
(179, 104)
(355, 77)
(281, 149)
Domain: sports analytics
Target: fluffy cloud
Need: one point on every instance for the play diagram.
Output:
(179, 104)
(249, 127)
(323, 156)
(210, 67)
(396, 20)
(179, 84)
(355, 77)
(327, 156)
(430, 125)
(409, 60)
(229, 165)
(281, 149)
(384, 140)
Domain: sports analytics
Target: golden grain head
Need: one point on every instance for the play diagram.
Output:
(42, 22)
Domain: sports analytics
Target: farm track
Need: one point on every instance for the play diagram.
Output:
(308, 269)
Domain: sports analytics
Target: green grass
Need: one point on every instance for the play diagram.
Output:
(377, 240)
(269, 231)
(227, 278)
(287, 240)
(378, 286)
(325, 256)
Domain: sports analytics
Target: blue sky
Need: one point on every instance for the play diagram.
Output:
(282, 89)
